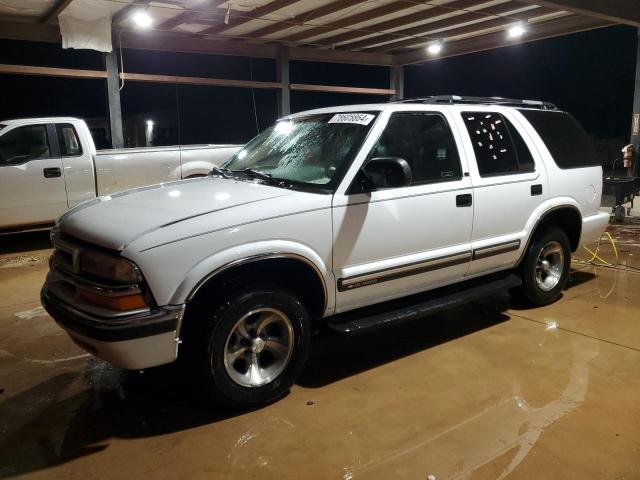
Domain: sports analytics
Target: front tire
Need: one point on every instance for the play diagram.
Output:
(256, 345)
(545, 269)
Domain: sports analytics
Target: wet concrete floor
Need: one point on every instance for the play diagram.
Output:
(490, 390)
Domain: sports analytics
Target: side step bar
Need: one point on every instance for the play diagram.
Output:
(415, 306)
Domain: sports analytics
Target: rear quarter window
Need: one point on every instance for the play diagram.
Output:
(566, 140)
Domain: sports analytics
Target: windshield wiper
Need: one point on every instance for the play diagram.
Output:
(255, 173)
(219, 171)
(266, 177)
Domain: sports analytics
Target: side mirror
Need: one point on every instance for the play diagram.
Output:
(388, 172)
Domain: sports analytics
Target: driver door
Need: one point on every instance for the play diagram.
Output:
(393, 242)
(32, 188)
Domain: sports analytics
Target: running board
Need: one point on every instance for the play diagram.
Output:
(415, 306)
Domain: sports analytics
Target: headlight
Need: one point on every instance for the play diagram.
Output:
(110, 267)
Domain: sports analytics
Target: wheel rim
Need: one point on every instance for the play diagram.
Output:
(549, 266)
(258, 347)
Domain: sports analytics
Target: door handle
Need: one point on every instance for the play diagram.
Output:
(464, 200)
(52, 172)
(536, 190)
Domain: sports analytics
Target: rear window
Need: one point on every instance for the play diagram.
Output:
(566, 140)
(68, 140)
(498, 147)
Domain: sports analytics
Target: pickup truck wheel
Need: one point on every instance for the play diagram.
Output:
(258, 342)
(546, 268)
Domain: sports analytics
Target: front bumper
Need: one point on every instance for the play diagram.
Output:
(141, 340)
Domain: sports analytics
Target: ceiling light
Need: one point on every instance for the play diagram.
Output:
(142, 19)
(516, 30)
(434, 48)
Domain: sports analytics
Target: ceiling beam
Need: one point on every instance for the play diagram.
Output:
(173, 22)
(414, 17)
(614, 11)
(540, 31)
(212, 82)
(52, 15)
(180, 80)
(194, 16)
(306, 87)
(22, 29)
(346, 22)
(441, 26)
(500, 22)
(308, 16)
(245, 17)
(51, 71)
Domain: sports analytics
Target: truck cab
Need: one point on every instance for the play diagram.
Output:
(46, 166)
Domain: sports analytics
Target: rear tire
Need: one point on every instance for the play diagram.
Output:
(545, 269)
(256, 344)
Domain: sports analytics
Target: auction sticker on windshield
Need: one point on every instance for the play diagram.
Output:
(359, 118)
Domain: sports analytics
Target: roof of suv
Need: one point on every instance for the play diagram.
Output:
(437, 100)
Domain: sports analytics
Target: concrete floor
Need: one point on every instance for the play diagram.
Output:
(485, 391)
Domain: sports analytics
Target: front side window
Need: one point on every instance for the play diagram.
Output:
(313, 150)
(425, 141)
(23, 144)
(68, 140)
(498, 147)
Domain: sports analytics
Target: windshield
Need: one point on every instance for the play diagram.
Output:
(314, 150)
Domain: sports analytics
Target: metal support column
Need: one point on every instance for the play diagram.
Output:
(635, 121)
(396, 82)
(113, 95)
(284, 94)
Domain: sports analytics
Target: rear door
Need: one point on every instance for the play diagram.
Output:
(32, 188)
(509, 184)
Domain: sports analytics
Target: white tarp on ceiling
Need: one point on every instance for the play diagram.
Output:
(86, 24)
(86, 34)
(83, 23)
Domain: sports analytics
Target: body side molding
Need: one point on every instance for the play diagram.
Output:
(394, 273)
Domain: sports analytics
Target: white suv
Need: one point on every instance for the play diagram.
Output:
(427, 202)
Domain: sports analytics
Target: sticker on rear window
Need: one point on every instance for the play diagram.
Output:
(359, 118)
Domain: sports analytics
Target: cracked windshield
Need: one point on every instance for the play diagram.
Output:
(310, 149)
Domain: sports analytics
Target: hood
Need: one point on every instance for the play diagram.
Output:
(114, 221)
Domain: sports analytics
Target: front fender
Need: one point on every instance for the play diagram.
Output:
(233, 256)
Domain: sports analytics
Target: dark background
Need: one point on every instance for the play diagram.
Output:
(589, 74)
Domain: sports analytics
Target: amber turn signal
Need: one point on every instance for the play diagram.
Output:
(122, 303)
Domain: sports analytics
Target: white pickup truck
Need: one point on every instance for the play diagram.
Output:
(351, 218)
(48, 165)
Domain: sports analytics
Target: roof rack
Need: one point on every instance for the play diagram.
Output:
(458, 100)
